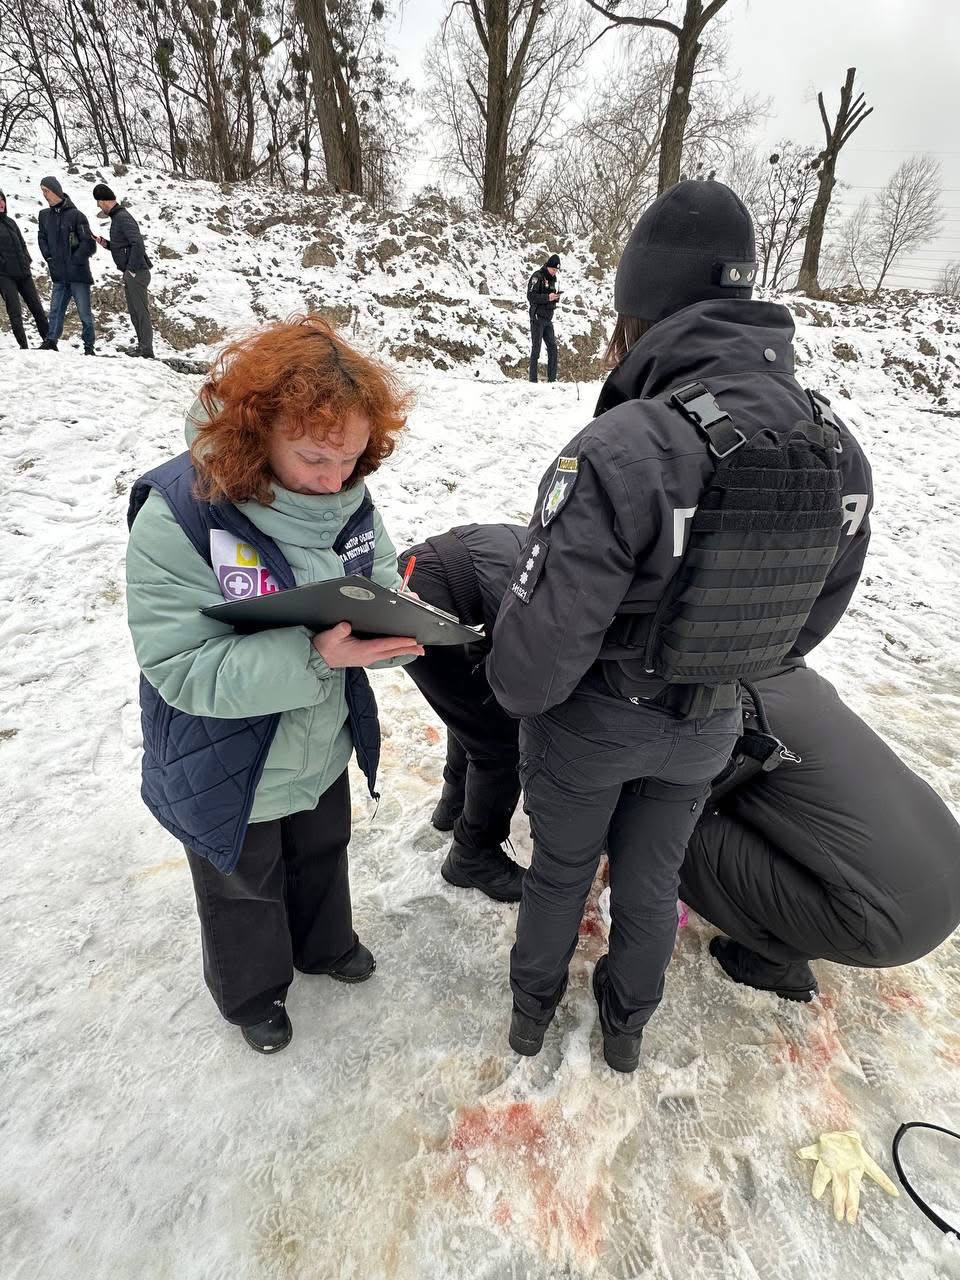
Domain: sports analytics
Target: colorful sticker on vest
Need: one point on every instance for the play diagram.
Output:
(529, 568)
(564, 478)
(238, 569)
(238, 583)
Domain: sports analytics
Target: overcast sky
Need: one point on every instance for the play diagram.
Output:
(907, 55)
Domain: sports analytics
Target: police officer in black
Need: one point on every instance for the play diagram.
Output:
(464, 571)
(542, 295)
(679, 544)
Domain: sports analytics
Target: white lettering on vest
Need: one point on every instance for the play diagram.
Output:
(680, 517)
(854, 509)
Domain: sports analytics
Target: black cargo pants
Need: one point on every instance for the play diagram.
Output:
(541, 332)
(486, 752)
(602, 771)
(285, 905)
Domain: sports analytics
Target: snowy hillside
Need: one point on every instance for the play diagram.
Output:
(398, 1138)
(428, 285)
(432, 286)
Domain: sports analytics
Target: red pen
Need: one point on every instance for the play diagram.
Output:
(407, 572)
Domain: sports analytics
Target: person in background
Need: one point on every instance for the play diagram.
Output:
(130, 256)
(67, 245)
(16, 282)
(542, 298)
(247, 737)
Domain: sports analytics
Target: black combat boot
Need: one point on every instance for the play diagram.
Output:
(492, 871)
(89, 351)
(271, 1035)
(526, 1034)
(449, 808)
(621, 1052)
(356, 966)
(49, 344)
(789, 981)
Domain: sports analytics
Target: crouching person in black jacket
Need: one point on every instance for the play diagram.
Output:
(130, 256)
(464, 572)
(679, 545)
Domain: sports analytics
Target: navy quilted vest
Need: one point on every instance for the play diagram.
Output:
(200, 773)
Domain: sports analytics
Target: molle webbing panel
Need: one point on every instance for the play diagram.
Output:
(761, 545)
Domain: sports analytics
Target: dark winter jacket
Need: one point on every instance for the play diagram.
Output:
(591, 576)
(870, 854)
(66, 243)
(539, 288)
(469, 567)
(126, 242)
(14, 257)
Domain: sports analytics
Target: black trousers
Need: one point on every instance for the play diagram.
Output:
(285, 906)
(599, 772)
(485, 758)
(541, 331)
(12, 289)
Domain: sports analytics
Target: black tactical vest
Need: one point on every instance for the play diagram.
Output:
(762, 541)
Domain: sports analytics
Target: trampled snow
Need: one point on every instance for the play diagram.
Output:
(398, 1137)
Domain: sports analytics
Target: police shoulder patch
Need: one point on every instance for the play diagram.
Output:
(529, 568)
(564, 478)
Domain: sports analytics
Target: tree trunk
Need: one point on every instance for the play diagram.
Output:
(849, 119)
(497, 116)
(810, 266)
(678, 108)
(337, 120)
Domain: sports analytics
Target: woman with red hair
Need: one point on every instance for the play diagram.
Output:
(247, 737)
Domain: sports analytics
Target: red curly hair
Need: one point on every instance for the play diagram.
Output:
(298, 374)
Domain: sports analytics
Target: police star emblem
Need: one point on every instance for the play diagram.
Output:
(564, 478)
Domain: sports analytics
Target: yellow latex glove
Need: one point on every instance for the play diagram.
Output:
(841, 1158)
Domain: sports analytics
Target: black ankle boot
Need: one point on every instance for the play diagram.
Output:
(492, 871)
(271, 1035)
(788, 981)
(356, 966)
(526, 1034)
(449, 808)
(620, 1052)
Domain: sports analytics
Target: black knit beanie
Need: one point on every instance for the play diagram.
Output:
(552, 261)
(52, 185)
(693, 243)
(102, 192)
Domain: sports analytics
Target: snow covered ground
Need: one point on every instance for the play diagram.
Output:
(398, 1137)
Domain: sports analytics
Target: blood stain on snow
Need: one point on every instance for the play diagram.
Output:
(431, 734)
(531, 1146)
(901, 999)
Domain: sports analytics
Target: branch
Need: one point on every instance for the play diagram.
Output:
(624, 20)
(481, 30)
(854, 127)
(711, 11)
(823, 116)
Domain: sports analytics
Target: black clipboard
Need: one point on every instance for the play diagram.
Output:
(370, 609)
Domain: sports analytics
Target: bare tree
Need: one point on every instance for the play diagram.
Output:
(949, 282)
(610, 167)
(31, 37)
(904, 214)
(687, 32)
(497, 75)
(850, 116)
(779, 190)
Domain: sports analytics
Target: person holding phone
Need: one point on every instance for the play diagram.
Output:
(130, 257)
(542, 296)
(247, 737)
